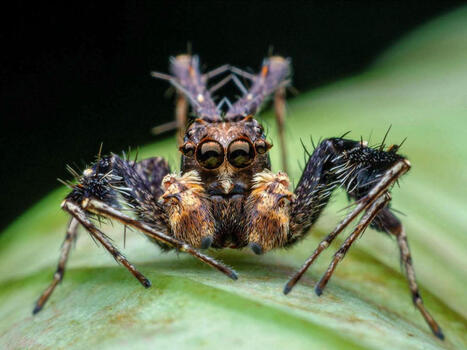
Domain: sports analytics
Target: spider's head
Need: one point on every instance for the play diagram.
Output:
(226, 153)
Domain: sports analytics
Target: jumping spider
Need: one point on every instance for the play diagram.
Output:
(225, 195)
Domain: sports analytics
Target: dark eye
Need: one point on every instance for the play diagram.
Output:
(262, 146)
(241, 153)
(210, 154)
(188, 149)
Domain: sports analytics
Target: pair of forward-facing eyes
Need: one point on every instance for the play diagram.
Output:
(210, 154)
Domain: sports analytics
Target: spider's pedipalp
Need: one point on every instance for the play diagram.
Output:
(268, 211)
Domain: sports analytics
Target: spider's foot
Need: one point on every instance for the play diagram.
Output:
(233, 275)
(318, 290)
(439, 333)
(256, 248)
(37, 308)
(287, 289)
(146, 283)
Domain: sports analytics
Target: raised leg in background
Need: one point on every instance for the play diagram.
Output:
(280, 112)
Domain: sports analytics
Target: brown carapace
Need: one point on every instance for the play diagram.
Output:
(225, 195)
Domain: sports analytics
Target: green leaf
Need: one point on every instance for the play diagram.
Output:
(420, 88)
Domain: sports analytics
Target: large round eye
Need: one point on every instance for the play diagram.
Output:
(188, 149)
(262, 146)
(241, 153)
(210, 154)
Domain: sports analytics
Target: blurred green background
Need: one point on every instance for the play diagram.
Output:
(419, 86)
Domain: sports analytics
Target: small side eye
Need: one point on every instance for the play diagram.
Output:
(188, 149)
(210, 154)
(262, 146)
(241, 153)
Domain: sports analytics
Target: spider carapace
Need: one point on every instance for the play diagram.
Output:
(225, 194)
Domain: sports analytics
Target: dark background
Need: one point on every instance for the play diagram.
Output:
(75, 74)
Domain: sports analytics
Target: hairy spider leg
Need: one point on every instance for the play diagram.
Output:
(367, 218)
(107, 211)
(392, 225)
(71, 234)
(220, 84)
(365, 202)
(243, 73)
(191, 88)
(215, 72)
(189, 81)
(354, 166)
(79, 214)
(280, 112)
(138, 183)
(144, 199)
(181, 113)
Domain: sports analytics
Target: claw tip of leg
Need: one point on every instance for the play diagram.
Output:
(256, 248)
(37, 308)
(233, 275)
(147, 283)
(318, 291)
(287, 289)
(439, 334)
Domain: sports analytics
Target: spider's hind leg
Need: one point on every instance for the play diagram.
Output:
(388, 222)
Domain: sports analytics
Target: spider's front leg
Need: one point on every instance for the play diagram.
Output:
(367, 174)
(104, 181)
(101, 190)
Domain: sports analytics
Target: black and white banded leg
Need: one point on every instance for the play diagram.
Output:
(367, 174)
(101, 191)
(70, 237)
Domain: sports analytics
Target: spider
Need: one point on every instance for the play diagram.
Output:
(225, 195)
